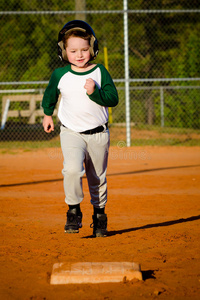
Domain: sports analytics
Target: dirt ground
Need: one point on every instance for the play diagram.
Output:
(153, 219)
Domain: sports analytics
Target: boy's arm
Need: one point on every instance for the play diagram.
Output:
(49, 101)
(107, 95)
(51, 95)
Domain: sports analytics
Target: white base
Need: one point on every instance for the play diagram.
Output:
(94, 272)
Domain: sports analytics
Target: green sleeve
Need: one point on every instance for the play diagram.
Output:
(51, 94)
(107, 95)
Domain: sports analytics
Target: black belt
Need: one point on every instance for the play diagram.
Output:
(94, 130)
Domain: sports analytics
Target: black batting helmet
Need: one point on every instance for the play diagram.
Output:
(80, 26)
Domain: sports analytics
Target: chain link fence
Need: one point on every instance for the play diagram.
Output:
(158, 81)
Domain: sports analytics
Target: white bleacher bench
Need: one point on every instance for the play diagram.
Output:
(30, 113)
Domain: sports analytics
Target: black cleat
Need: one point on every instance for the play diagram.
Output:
(74, 221)
(99, 225)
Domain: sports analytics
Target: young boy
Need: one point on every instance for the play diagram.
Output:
(87, 91)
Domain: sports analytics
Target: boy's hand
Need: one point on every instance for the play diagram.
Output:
(89, 86)
(48, 124)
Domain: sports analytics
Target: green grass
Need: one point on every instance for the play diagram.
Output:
(164, 142)
(28, 145)
(145, 135)
(170, 130)
(141, 136)
(159, 142)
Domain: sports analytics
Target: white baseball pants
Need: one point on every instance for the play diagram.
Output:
(85, 154)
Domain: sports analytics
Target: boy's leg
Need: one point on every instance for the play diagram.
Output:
(73, 148)
(96, 167)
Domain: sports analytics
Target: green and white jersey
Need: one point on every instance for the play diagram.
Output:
(77, 110)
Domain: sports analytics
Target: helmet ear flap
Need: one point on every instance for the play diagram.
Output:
(93, 47)
(62, 52)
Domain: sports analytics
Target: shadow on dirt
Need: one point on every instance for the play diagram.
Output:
(163, 224)
(167, 223)
(148, 274)
(152, 170)
(108, 175)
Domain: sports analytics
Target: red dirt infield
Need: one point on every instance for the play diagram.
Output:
(153, 219)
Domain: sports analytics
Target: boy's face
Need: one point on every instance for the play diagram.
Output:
(78, 51)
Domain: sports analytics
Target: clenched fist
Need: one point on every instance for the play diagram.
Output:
(48, 124)
(89, 86)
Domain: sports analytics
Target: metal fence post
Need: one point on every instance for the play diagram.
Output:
(162, 107)
(126, 63)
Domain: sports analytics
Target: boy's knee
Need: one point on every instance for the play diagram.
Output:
(72, 172)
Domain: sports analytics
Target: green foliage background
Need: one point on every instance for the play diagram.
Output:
(161, 45)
